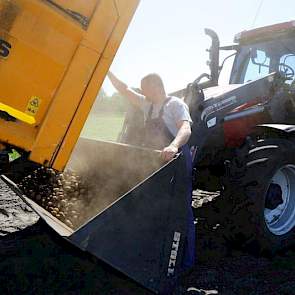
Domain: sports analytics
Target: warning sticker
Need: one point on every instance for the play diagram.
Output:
(33, 105)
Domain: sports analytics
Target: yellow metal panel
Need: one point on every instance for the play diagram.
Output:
(18, 134)
(52, 67)
(127, 10)
(37, 75)
(64, 105)
(99, 25)
(72, 89)
(42, 44)
(84, 7)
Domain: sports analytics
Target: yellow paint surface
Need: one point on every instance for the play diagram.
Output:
(52, 68)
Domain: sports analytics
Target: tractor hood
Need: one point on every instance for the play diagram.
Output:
(219, 90)
(220, 100)
(213, 109)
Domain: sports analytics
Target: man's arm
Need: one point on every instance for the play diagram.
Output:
(181, 138)
(123, 89)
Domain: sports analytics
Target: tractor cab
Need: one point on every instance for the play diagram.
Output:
(263, 51)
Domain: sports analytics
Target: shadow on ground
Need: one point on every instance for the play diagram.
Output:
(35, 260)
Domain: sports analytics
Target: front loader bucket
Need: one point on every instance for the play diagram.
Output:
(140, 221)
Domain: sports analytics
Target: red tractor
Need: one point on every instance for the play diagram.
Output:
(244, 136)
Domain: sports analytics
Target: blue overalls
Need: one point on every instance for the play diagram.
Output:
(158, 136)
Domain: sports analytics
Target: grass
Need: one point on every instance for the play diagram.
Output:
(103, 126)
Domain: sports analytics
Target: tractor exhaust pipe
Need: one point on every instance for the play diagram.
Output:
(213, 62)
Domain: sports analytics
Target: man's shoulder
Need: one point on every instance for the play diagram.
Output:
(176, 102)
(178, 109)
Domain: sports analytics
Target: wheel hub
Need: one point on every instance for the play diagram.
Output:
(274, 197)
(279, 212)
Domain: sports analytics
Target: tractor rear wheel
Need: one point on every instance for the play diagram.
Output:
(260, 188)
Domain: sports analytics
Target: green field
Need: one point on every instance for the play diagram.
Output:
(103, 126)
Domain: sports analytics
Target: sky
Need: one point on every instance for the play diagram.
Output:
(167, 36)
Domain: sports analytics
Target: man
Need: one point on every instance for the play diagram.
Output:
(167, 119)
(167, 127)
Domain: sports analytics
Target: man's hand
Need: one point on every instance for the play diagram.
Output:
(123, 89)
(169, 152)
(182, 136)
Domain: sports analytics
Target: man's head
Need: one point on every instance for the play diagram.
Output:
(153, 88)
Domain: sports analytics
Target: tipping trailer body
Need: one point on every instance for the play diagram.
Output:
(54, 55)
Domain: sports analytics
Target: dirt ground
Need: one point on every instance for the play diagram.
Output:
(34, 260)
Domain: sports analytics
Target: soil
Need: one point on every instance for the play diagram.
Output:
(35, 260)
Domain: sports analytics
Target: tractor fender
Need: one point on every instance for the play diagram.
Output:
(282, 129)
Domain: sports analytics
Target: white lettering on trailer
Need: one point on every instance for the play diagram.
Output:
(173, 254)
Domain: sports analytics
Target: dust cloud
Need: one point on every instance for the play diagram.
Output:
(97, 174)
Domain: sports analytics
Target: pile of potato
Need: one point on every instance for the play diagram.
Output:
(62, 194)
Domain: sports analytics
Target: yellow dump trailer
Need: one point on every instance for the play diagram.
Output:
(54, 55)
(119, 202)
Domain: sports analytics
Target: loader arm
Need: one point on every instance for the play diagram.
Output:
(213, 112)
